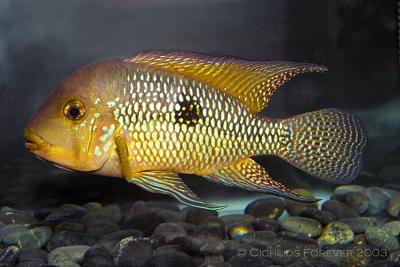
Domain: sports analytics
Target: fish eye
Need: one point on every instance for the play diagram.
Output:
(74, 110)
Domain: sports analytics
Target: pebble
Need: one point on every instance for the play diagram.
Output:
(358, 201)
(145, 221)
(336, 233)
(343, 190)
(287, 241)
(69, 256)
(210, 228)
(238, 230)
(229, 220)
(28, 238)
(196, 216)
(258, 238)
(13, 216)
(211, 247)
(69, 226)
(294, 208)
(265, 224)
(393, 207)
(360, 240)
(271, 207)
(392, 228)
(101, 227)
(360, 224)
(249, 261)
(97, 256)
(188, 244)
(162, 205)
(379, 198)
(68, 238)
(66, 212)
(167, 249)
(90, 206)
(339, 209)
(380, 238)
(133, 252)
(9, 256)
(111, 240)
(169, 231)
(301, 225)
(394, 256)
(171, 259)
(110, 212)
(323, 216)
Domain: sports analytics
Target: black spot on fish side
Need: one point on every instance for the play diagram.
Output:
(188, 112)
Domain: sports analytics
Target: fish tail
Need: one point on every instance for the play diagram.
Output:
(327, 143)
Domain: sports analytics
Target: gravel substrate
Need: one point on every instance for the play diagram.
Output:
(357, 226)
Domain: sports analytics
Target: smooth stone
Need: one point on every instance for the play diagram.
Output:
(33, 254)
(33, 263)
(294, 208)
(258, 238)
(210, 228)
(288, 241)
(9, 256)
(360, 240)
(33, 238)
(66, 212)
(111, 212)
(211, 247)
(265, 224)
(145, 221)
(380, 238)
(356, 256)
(12, 229)
(162, 205)
(69, 256)
(358, 201)
(249, 261)
(167, 249)
(111, 240)
(394, 256)
(196, 216)
(172, 259)
(68, 238)
(97, 256)
(133, 252)
(393, 207)
(271, 207)
(169, 231)
(339, 209)
(69, 226)
(188, 244)
(238, 230)
(343, 190)
(383, 263)
(90, 206)
(101, 227)
(336, 233)
(379, 198)
(323, 216)
(302, 225)
(360, 224)
(392, 228)
(13, 216)
(215, 261)
(229, 220)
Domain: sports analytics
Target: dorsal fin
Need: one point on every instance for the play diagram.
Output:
(252, 82)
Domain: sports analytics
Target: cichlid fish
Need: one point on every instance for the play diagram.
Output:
(159, 113)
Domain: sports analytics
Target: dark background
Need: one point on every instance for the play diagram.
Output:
(42, 41)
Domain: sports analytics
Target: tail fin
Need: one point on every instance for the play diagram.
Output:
(327, 143)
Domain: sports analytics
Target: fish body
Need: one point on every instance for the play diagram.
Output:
(156, 114)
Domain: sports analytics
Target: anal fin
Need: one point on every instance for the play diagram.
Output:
(249, 175)
(170, 183)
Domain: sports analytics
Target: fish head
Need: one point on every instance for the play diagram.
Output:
(72, 129)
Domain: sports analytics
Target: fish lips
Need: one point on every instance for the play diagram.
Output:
(34, 142)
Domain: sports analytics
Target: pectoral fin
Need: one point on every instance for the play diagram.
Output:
(123, 154)
(249, 175)
(170, 184)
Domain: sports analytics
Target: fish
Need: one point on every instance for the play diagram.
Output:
(151, 116)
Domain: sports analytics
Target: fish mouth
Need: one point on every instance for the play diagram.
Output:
(34, 142)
